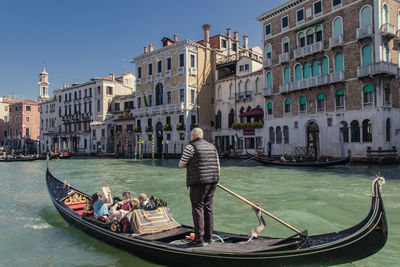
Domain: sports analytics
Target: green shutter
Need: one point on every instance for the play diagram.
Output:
(287, 101)
(340, 92)
(315, 68)
(269, 105)
(269, 80)
(339, 62)
(337, 27)
(368, 88)
(366, 55)
(324, 66)
(286, 75)
(285, 40)
(303, 100)
(306, 69)
(366, 16)
(297, 71)
(268, 49)
(386, 86)
(320, 96)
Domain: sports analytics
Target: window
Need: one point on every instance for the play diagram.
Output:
(355, 131)
(306, 70)
(103, 131)
(269, 80)
(150, 100)
(181, 60)
(315, 68)
(270, 109)
(324, 66)
(182, 95)
(303, 105)
(241, 68)
(268, 30)
(234, 46)
(317, 8)
(218, 120)
(79, 95)
(278, 135)
(192, 61)
(339, 100)
(249, 143)
(159, 66)
(297, 72)
(139, 102)
(388, 129)
(139, 72)
(318, 34)
(27, 108)
(339, 62)
(386, 52)
(366, 16)
(286, 134)
(285, 45)
(287, 106)
(90, 91)
(246, 67)
(301, 39)
(27, 119)
(285, 23)
(75, 95)
(286, 75)
(192, 96)
(94, 133)
(272, 135)
(336, 3)
(150, 69)
(368, 95)
(231, 118)
(223, 43)
(337, 26)
(300, 15)
(385, 14)
(169, 64)
(59, 99)
(169, 100)
(366, 55)
(27, 132)
(230, 90)
(159, 94)
(320, 102)
(268, 51)
(310, 36)
(116, 106)
(367, 131)
(387, 95)
(98, 105)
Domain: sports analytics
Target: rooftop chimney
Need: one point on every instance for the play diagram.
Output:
(228, 32)
(145, 49)
(245, 41)
(175, 38)
(206, 29)
(112, 76)
(236, 36)
(65, 85)
(151, 47)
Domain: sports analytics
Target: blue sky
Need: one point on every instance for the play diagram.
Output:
(79, 40)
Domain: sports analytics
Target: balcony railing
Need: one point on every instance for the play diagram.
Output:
(285, 57)
(364, 32)
(193, 71)
(160, 109)
(377, 68)
(308, 50)
(336, 41)
(267, 91)
(284, 88)
(309, 83)
(267, 62)
(389, 30)
(337, 76)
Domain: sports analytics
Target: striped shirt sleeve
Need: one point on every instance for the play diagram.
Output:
(187, 154)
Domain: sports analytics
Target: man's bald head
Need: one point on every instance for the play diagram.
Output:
(197, 133)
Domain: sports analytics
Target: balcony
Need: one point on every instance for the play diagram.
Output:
(309, 83)
(267, 91)
(336, 41)
(267, 62)
(284, 88)
(138, 80)
(181, 70)
(161, 109)
(322, 80)
(149, 78)
(377, 68)
(308, 50)
(389, 30)
(285, 57)
(364, 32)
(337, 76)
(193, 71)
(168, 73)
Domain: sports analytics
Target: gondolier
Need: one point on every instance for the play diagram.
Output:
(200, 158)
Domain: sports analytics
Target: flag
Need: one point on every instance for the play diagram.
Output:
(145, 101)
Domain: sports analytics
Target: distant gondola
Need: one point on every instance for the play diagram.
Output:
(304, 163)
(19, 159)
(167, 247)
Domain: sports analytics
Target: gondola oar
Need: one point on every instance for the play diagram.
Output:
(258, 208)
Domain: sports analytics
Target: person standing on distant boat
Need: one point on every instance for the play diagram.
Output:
(269, 148)
(200, 158)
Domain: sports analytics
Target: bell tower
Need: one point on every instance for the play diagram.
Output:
(43, 85)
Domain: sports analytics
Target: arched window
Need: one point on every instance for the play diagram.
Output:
(219, 93)
(278, 135)
(355, 131)
(272, 135)
(306, 70)
(240, 112)
(337, 26)
(301, 40)
(318, 34)
(368, 95)
(159, 94)
(240, 89)
(230, 90)
(297, 72)
(324, 66)
(269, 80)
(386, 52)
(286, 134)
(385, 14)
(285, 45)
(218, 120)
(388, 129)
(387, 95)
(270, 107)
(231, 119)
(268, 51)
(310, 36)
(321, 102)
(367, 131)
(257, 85)
(339, 100)
(84, 143)
(315, 68)
(339, 62)
(286, 75)
(345, 131)
(246, 87)
(365, 16)
(366, 58)
(98, 105)
(287, 106)
(303, 105)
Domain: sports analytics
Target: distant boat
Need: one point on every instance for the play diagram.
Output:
(168, 247)
(303, 163)
(15, 159)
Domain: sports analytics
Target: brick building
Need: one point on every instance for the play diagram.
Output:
(331, 77)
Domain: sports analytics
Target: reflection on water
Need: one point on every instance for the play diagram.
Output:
(319, 200)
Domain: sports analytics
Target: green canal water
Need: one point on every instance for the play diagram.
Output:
(32, 233)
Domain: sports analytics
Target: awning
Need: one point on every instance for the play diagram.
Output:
(255, 112)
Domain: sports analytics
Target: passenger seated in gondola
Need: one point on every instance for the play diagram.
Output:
(118, 214)
(100, 204)
(126, 201)
(143, 200)
(283, 158)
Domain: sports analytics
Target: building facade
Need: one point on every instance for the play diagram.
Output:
(331, 76)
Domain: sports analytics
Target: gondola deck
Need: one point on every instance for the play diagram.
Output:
(167, 248)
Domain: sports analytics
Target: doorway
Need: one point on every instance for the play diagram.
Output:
(159, 137)
(312, 139)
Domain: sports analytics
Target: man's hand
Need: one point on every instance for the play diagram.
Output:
(182, 165)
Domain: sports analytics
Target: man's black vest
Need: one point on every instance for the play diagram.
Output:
(202, 168)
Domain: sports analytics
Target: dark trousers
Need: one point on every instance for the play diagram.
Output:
(269, 153)
(201, 197)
